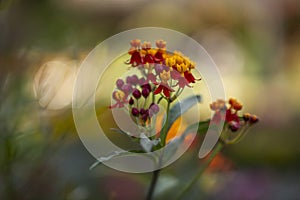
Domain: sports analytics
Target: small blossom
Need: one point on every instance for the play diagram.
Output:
(135, 43)
(165, 89)
(132, 79)
(160, 54)
(181, 66)
(151, 77)
(146, 45)
(163, 86)
(190, 78)
(120, 98)
(148, 59)
(135, 59)
(160, 44)
(165, 75)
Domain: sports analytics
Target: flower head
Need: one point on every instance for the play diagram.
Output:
(121, 99)
(162, 73)
(165, 76)
(231, 114)
(182, 67)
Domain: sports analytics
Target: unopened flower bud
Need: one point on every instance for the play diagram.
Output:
(153, 109)
(237, 106)
(232, 101)
(253, 119)
(134, 79)
(131, 101)
(119, 83)
(127, 88)
(147, 85)
(145, 92)
(145, 117)
(135, 112)
(137, 94)
(128, 79)
(234, 126)
(246, 117)
(143, 111)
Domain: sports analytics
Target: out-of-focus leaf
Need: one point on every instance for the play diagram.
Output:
(121, 153)
(106, 158)
(200, 126)
(172, 146)
(120, 131)
(179, 109)
(165, 182)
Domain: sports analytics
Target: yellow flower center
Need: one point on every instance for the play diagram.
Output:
(165, 75)
(120, 95)
(180, 62)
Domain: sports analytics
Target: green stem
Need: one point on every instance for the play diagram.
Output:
(153, 96)
(9, 191)
(161, 98)
(204, 166)
(153, 184)
(239, 137)
(163, 140)
(164, 132)
(178, 92)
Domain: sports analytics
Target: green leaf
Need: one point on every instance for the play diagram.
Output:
(106, 158)
(181, 107)
(164, 183)
(177, 110)
(201, 128)
(121, 132)
(171, 148)
(121, 153)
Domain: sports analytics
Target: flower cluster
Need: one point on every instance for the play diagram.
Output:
(231, 114)
(165, 70)
(162, 73)
(142, 111)
(135, 92)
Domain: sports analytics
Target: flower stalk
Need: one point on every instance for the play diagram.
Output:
(154, 180)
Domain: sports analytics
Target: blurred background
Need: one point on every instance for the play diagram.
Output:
(255, 44)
